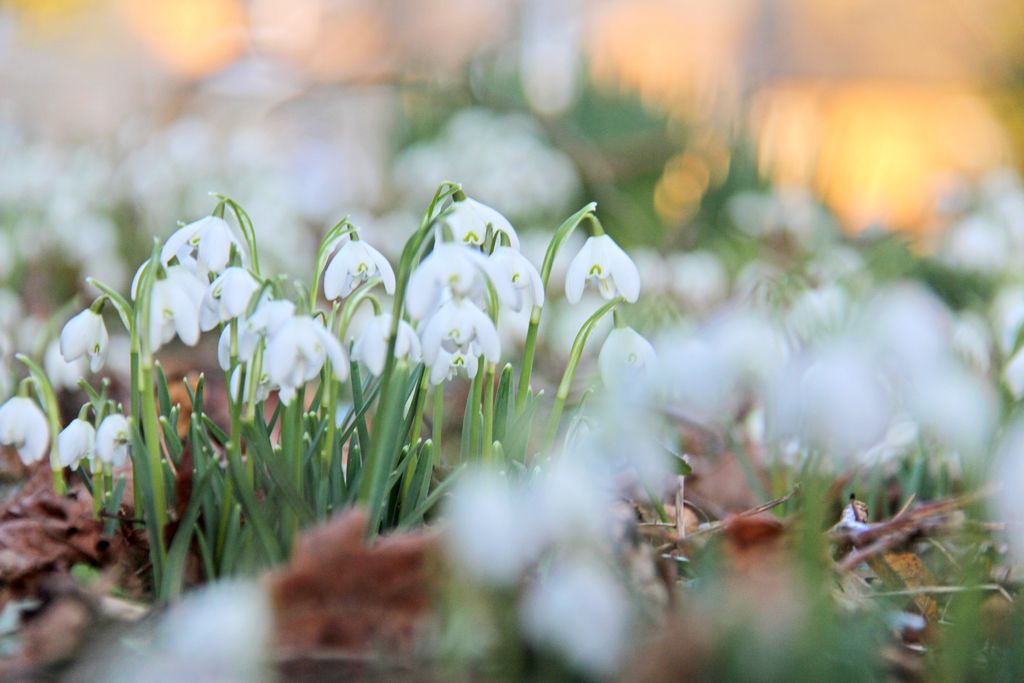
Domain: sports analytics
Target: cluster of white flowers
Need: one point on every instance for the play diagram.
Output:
(501, 529)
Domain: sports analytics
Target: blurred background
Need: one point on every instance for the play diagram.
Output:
(693, 124)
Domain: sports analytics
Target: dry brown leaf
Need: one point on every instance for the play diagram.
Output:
(339, 593)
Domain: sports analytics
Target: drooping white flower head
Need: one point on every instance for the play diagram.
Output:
(457, 324)
(202, 247)
(371, 347)
(76, 442)
(517, 270)
(23, 426)
(112, 439)
(469, 219)
(296, 353)
(625, 356)
(446, 366)
(174, 308)
(227, 297)
(267, 319)
(85, 335)
(455, 270)
(62, 374)
(354, 263)
(580, 610)
(602, 264)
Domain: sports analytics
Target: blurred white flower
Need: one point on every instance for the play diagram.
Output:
(354, 263)
(1013, 374)
(446, 366)
(23, 426)
(221, 632)
(976, 244)
(1008, 316)
(202, 247)
(85, 335)
(816, 311)
(698, 278)
(954, 407)
(488, 533)
(174, 308)
(112, 439)
(296, 353)
(602, 264)
(834, 399)
(62, 374)
(456, 325)
(76, 442)
(371, 346)
(523, 277)
(582, 612)
(625, 357)
(972, 341)
(227, 297)
(469, 220)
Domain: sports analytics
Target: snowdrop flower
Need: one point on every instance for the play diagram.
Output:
(1013, 374)
(227, 297)
(625, 354)
(517, 270)
(456, 325)
(582, 612)
(62, 374)
(23, 426)
(1008, 472)
(112, 440)
(268, 318)
(355, 262)
(446, 366)
(296, 353)
(203, 246)
(76, 442)
(603, 264)
(453, 268)
(371, 346)
(174, 308)
(85, 335)
(468, 220)
(487, 534)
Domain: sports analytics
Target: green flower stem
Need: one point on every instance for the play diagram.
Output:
(438, 426)
(488, 389)
(98, 493)
(528, 353)
(146, 405)
(473, 402)
(570, 368)
(415, 428)
(292, 444)
(559, 238)
(384, 446)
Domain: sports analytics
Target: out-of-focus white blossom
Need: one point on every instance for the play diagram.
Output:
(698, 278)
(61, 373)
(625, 357)
(450, 268)
(23, 427)
(580, 610)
